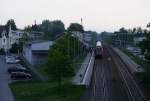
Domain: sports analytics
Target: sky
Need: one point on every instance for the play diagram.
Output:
(97, 15)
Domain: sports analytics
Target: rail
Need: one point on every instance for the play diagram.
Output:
(88, 72)
(130, 83)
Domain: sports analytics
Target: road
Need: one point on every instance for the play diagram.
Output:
(5, 91)
(111, 81)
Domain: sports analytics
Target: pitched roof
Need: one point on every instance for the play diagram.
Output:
(2, 28)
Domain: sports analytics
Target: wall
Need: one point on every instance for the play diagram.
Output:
(39, 58)
(27, 53)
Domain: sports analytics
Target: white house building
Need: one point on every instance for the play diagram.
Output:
(7, 38)
(137, 40)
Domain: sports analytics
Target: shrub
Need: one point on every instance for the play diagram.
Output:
(2, 51)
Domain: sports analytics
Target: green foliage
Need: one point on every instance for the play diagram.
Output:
(142, 46)
(2, 52)
(57, 27)
(14, 48)
(46, 92)
(107, 37)
(12, 23)
(52, 28)
(20, 46)
(148, 25)
(25, 37)
(123, 30)
(145, 45)
(61, 56)
(59, 64)
(75, 27)
(69, 45)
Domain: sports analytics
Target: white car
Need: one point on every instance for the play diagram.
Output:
(9, 56)
(12, 60)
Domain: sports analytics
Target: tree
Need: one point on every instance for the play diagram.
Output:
(134, 30)
(139, 30)
(35, 27)
(14, 48)
(58, 27)
(145, 45)
(2, 51)
(46, 26)
(123, 30)
(61, 57)
(75, 27)
(27, 28)
(51, 28)
(148, 25)
(25, 37)
(12, 23)
(59, 65)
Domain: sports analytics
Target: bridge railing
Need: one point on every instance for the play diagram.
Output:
(88, 73)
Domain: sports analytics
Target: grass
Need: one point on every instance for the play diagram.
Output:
(35, 90)
(133, 57)
(79, 61)
(43, 68)
(46, 92)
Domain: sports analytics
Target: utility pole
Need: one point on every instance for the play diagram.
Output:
(81, 21)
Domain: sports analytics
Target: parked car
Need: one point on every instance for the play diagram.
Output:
(20, 75)
(15, 69)
(8, 57)
(12, 60)
(18, 66)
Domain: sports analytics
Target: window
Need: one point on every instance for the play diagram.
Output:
(4, 40)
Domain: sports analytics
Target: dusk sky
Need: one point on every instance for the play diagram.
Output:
(99, 15)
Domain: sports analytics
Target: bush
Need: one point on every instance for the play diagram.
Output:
(14, 48)
(2, 51)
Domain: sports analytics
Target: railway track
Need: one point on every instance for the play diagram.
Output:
(112, 80)
(133, 90)
(102, 83)
(99, 83)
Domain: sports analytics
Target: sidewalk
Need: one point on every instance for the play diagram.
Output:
(5, 90)
(83, 76)
(5, 93)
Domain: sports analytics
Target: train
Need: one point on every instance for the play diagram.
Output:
(98, 49)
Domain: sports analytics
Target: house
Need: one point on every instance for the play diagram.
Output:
(9, 37)
(84, 38)
(123, 39)
(79, 35)
(36, 52)
(137, 40)
(87, 37)
(34, 35)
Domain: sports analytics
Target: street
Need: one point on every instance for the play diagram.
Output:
(5, 91)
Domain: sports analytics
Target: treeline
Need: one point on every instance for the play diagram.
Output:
(145, 44)
(50, 28)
